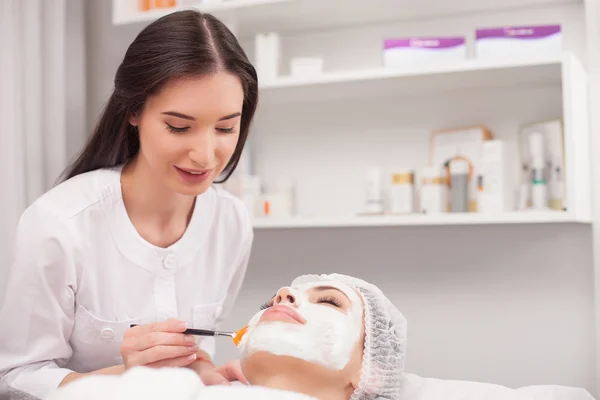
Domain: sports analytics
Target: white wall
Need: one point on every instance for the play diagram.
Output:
(76, 84)
(506, 304)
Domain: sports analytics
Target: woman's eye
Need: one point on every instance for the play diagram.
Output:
(176, 129)
(226, 130)
(331, 300)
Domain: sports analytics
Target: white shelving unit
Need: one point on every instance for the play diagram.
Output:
(252, 16)
(427, 80)
(549, 217)
(565, 71)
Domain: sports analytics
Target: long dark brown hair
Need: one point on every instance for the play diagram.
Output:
(181, 44)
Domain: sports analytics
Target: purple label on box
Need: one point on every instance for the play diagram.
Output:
(424, 42)
(518, 32)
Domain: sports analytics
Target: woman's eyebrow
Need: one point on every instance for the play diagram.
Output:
(178, 115)
(323, 288)
(230, 116)
(184, 116)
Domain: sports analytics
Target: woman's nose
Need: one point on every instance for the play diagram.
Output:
(203, 152)
(286, 295)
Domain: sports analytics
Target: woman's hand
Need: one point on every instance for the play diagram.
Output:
(158, 345)
(232, 371)
(222, 375)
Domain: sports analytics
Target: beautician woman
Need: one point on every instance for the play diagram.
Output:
(136, 233)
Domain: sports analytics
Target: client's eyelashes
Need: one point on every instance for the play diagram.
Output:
(330, 300)
(267, 304)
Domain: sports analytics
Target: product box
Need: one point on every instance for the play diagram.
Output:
(419, 51)
(553, 149)
(520, 41)
(460, 143)
(497, 185)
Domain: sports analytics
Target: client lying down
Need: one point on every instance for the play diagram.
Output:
(324, 337)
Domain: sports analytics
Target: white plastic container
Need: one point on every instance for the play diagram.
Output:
(433, 191)
(278, 200)
(250, 193)
(267, 53)
(276, 205)
(374, 203)
(401, 192)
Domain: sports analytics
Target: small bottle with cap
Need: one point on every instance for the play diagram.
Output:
(459, 185)
(539, 185)
(374, 192)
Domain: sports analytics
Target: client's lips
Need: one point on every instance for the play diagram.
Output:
(277, 312)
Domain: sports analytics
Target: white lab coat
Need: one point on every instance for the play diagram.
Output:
(82, 274)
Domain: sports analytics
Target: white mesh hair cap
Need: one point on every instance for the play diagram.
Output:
(385, 339)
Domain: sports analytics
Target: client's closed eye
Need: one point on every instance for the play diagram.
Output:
(330, 300)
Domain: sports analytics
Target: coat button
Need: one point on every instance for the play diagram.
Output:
(170, 261)
(107, 333)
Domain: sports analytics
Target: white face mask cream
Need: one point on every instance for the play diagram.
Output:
(329, 336)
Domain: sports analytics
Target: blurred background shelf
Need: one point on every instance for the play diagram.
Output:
(254, 16)
(542, 217)
(385, 82)
(126, 12)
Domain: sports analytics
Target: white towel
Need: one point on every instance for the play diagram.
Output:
(143, 383)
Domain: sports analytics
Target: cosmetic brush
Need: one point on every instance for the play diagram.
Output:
(235, 336)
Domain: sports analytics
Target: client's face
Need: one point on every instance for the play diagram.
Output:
(316, 328)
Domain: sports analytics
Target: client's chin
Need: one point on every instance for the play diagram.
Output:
(262, 367)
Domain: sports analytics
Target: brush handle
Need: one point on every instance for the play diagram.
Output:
(202, 332)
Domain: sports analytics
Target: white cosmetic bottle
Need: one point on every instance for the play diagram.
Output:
(539, 185)
(433, 191)
(401, 192)
(374, 192)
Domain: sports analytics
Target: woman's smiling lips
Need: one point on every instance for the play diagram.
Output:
(282, 313)
(193, 176)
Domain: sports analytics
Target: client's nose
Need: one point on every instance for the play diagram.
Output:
(285, 295)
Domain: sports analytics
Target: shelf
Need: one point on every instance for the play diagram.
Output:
(469, 74)
(123, 15)
(525, 217)
(253, 16)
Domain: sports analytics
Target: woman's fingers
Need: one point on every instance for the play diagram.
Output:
(171, 325)
(153, 339)
(161, 343)
(182, 361)
(159, 353)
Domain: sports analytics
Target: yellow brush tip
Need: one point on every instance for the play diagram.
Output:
(239, 335)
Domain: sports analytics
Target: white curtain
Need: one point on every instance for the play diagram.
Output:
(42, 101)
